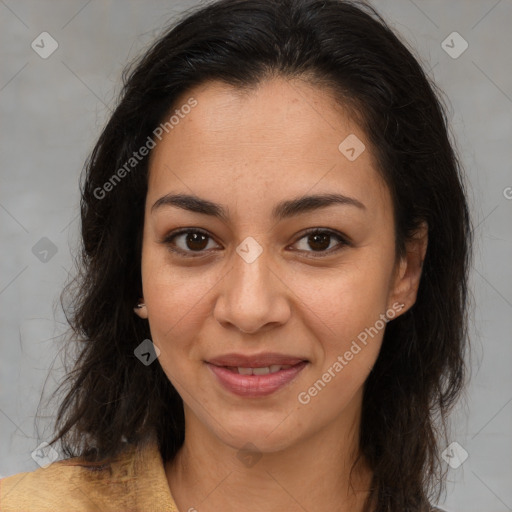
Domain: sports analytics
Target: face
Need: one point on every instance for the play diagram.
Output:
(246, 265)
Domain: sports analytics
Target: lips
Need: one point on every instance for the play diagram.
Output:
(258, 375)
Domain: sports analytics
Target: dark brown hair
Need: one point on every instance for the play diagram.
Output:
(347, 48)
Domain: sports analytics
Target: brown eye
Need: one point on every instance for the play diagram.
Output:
(188, 241)
(196, 241)
(321, 241)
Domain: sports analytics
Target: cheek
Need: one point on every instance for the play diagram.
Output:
(178, 301)
(174, 304)
(343, 315)
(345, 320)
(177, 308)
(344, 302)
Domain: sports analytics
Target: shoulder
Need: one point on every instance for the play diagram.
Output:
(70, 483)
(135, 480)
(61, 484)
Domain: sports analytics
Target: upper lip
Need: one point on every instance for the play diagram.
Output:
(255, 361)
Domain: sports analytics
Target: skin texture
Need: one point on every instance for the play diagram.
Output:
(248, 151)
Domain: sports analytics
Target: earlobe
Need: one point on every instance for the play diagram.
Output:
(410, 268)
(141, 310)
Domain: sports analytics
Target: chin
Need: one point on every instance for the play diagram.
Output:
(267, 436)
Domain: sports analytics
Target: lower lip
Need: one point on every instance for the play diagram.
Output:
(255, 385)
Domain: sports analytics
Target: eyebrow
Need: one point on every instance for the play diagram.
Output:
(283, 210)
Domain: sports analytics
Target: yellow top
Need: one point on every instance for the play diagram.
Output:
(135, 482)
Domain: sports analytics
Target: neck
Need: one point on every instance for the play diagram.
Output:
(208, 475)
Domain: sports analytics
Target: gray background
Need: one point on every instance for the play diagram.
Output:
(52, 111)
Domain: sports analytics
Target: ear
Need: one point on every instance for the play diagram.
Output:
(141, 310)
(409, 268)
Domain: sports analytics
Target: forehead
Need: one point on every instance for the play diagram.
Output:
(281, 137)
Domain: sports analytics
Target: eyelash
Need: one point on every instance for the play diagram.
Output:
(343, 241)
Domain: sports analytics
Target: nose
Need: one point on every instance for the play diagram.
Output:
(253, 296)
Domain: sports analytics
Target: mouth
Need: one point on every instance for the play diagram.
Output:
(256, 381)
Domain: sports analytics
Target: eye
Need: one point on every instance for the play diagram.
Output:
(188, 241)
(320, 241)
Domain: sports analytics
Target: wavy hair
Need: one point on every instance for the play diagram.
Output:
(345, 47)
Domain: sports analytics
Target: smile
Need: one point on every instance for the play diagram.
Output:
(256, 382)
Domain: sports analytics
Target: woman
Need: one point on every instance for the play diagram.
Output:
(273, 285)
